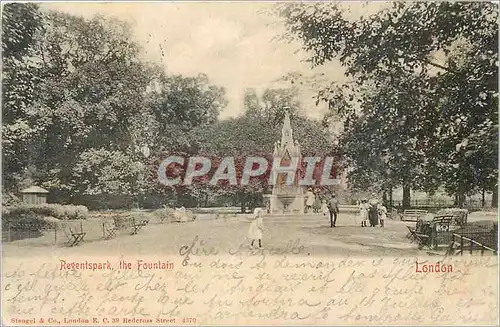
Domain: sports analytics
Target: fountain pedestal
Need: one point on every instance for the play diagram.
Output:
(285, 204)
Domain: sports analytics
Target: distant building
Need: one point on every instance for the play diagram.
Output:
(34, 195)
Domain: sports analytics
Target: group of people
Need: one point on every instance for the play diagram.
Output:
(256, 227)
(372, 212)
(326, 206)
(313, 202)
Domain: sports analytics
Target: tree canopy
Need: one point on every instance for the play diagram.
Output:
(77, 97)
(420, 110)
(81, 105)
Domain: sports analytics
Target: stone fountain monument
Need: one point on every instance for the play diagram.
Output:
(286, 198)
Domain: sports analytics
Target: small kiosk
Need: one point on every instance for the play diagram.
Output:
(34, 195)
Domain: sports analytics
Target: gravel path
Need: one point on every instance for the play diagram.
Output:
(311, 231)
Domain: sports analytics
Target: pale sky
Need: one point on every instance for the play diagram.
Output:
(230, 42)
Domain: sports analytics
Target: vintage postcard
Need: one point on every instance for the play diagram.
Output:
(250, 163)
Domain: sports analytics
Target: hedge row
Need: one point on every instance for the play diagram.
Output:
(62, 212)
(164, 215)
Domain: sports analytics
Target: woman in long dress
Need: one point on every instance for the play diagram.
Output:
(363, 210)
(317, 204)
(373, 211)
(256, 227)
(309, 201)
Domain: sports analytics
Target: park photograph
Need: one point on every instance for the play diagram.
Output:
(326, 139)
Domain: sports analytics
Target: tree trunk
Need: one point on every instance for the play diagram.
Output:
(494, 198)
(460, 199)
(242, 202)
(406, 196)
(390, 196)
(384, 198)
(482, 198)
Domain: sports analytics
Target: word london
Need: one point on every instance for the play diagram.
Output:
(199, 167)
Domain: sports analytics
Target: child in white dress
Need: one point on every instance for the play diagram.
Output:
(382, 214)
(324, 208)
(256, 227)
(363, 210)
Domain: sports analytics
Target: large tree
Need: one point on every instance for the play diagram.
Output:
(180, 105)
(78, 99)
(434, 65)
(20, 23)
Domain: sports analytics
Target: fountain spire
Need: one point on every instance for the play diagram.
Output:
(286, 131)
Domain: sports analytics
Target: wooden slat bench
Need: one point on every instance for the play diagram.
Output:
(441, 233)
(423, 236)
(163, 218)
(74, 237)
(137, 226)
(433, 233)
(413, 215)
(460, 215)
(109, 230)
(413, 230)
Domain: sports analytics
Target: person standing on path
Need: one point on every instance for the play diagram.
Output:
(382, 214)
(317, 204)
(309, 201)
(373, 212)
(256, 227)
(363, 210)
(333, 207)
(324, 207)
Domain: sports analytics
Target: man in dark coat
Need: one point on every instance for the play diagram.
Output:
(333, 207)
(373, 211)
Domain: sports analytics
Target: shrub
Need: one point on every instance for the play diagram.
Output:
(164, 214)
(10, 199)
(22, 219)
(62, 212)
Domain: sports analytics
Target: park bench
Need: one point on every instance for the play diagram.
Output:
(421, 234)
(441, 232)
(109, 230)
(137, 226)
(413, 231)
(413, 215)
(459, 215)
(162, 218)
(74, 237)
(121, 222)
(433, 233)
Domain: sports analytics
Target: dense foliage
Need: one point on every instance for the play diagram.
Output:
(420, 110)
(86, 118)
